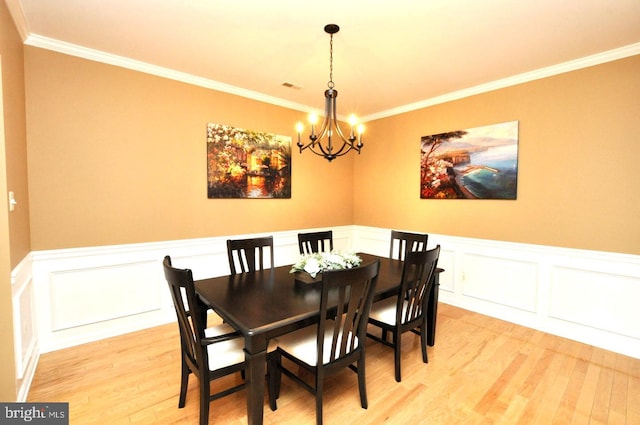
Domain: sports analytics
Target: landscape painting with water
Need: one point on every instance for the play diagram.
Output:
(247, 164)
(478, 163)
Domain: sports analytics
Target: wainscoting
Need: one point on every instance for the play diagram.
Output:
(68, 297)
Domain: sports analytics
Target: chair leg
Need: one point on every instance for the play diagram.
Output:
(275, 376)
(396, 353)
(205, 399)
(184, 382)
(319, 385)
(362, 383)
(278, 362)
(423, 343)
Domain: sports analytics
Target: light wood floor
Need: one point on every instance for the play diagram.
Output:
(481, 371)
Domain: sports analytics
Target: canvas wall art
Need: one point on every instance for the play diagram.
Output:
(247, 164)
(477, 163)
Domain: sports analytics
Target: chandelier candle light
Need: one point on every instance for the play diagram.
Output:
(330, 127)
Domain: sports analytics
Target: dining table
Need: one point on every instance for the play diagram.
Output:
(265, 304)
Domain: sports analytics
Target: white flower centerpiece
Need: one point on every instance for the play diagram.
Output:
(318, 262)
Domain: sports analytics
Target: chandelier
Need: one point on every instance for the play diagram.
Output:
(330, 127)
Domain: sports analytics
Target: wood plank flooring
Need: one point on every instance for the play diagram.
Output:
(481, 371)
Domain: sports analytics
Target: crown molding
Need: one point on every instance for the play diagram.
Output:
(108, 58)
(135, 65)
(597, 59)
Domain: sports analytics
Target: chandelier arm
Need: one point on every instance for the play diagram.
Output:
(326, 123)
(320, 152)
(315, 140)
(345, 141)
(315, 147)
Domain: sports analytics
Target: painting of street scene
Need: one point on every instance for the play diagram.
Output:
(478, 163)
(247, 164)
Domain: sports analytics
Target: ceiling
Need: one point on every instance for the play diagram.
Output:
(386, 57)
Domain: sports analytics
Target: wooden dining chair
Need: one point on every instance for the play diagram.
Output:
(315, 242)
(208, 353)
(408, 310)
(404, 242)
(249, 254)
(336, 342)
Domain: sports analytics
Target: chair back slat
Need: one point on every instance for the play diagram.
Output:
(315, 242)
(248, 255)
(415, 287)
(405, 242)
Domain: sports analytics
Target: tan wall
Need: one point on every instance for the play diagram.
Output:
(117, 156)
(578, 170)
(11, 50)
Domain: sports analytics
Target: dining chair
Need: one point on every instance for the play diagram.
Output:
(405, 242)
(249, 254)
(408, 310)
(336, 342)
(208, 353)
(315, 242)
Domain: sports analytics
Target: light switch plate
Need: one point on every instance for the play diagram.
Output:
(12, 201)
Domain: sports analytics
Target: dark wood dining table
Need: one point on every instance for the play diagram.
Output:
(265, 304)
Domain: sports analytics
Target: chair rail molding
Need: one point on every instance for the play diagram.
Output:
(86, 294)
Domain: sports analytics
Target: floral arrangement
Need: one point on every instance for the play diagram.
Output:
(318, 262)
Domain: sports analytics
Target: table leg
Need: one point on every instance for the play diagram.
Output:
(256, 360)
(432, 310)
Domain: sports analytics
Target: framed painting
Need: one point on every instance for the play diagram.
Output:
(247, 164)
(477, 163)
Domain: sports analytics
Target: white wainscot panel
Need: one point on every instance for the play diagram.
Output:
(606, 301)
(24, 332)
(202, 266)
(509, 282)
(84, 296)
(446, 262)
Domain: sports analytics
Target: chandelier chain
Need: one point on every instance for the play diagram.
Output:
(330, 84)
